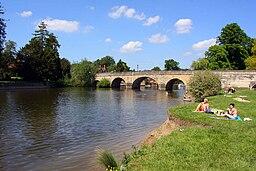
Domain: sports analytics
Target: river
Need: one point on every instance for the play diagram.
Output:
(61, 129)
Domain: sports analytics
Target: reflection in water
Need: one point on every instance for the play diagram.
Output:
(61, 129)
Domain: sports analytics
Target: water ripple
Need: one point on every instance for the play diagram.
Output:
(61, 129)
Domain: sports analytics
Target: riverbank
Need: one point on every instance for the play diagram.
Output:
(215, 145)
(167, 127)
(12, 85)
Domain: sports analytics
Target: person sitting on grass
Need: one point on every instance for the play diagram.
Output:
(232, 112)
(203, 106)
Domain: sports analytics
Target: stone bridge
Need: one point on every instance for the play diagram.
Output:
(166, 79)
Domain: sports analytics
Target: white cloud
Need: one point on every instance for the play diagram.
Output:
(188, 53)
(88, 28)
(204, 44)
(125, 11)
(158, 38)
(152, 20)
(26, 13)
(139, 16)
(183, 26)
(108, 40)
(91, 7)
(131, 46)
(61, 25)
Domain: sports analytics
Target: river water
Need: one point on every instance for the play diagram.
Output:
(61, 129)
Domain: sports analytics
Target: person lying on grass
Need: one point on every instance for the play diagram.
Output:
(203, 106)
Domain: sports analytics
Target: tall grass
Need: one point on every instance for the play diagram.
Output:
(107, 160)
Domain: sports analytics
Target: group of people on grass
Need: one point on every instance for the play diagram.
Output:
(230, 113)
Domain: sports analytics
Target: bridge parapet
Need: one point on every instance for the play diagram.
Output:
(236, 78)
(176, 72)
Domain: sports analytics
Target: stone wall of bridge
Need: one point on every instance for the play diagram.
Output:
(162, 78)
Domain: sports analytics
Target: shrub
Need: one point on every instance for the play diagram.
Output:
(204, 83)
(103, 83)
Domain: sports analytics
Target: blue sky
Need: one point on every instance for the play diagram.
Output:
(140, 32)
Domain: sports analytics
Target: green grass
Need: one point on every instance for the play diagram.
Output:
(223, 145)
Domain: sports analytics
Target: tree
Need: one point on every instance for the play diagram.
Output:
(65, 67)
(29, 61)
(156, 69)
(42, 33)
(122, 66)
(237, 44)
(39, 59)
(233, 34)
(7, 60)
(104, 63)
(200, 64)
(251, 61)
(83, 73)
(254, 48)
(236, 56)
(2, 29)
(53, 70)
(171, 65)
(217, 57)
(233, 48)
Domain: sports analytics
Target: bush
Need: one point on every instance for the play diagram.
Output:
(204, 83)
(103, 83)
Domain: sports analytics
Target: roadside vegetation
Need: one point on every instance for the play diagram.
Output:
(213, 145)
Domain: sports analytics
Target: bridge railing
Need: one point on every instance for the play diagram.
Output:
(173, 72)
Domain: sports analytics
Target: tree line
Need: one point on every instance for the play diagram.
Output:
(39, 59)
(234, 50)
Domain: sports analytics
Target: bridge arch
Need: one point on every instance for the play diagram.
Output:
(170, 85)
(148, 82)
(118, 82)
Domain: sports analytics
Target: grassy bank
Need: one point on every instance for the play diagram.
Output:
(222, 145)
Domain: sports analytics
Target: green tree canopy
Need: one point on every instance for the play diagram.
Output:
(251, 61)
(236, 56)
(171, 64)
(39, 59)
(121, 66)
(65, 67)
(200, 64)
(156, 69)
(104, 64)
(217, 57)
(233, 48)
(232, 34)
(254, 48)
(7, 61)
(83, 73)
